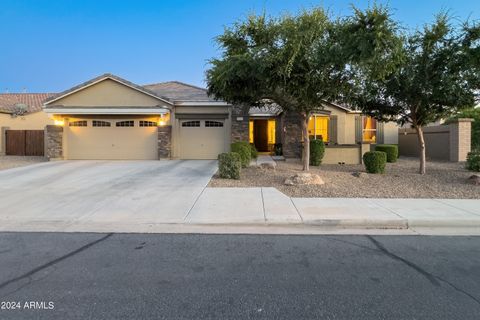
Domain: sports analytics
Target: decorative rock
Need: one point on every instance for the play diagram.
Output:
(474, 179)
(268, 165)
(359, 174)
(304, 179)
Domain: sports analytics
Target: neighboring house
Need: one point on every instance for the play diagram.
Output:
(21, 111)
(111, 118)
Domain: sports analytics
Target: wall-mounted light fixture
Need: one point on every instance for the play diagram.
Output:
(59, 122)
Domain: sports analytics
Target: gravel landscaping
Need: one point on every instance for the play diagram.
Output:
(7, 162)
(401, 180)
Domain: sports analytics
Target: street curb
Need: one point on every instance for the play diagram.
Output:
(360, 223)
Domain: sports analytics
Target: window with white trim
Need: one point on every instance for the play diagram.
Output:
(210, 124)
(144, 123)
(195, 123)
(128, 123)
(81, 123)
(318, 127)
(101, 123)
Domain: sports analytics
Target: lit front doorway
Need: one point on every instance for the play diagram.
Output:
(262, 134)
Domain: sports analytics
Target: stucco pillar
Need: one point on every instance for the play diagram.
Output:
(363, 148)
(164, 142)
(460, 139)
(3, 140)
(53, 142)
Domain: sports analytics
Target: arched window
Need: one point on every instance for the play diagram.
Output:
(144, 123)
(100, 123)
(210, 124)
(128, 123)
(194, 123)
(81, 123)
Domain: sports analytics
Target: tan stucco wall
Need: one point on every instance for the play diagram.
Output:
(200, 110)
(108, 93)
(32, 121)
(390, 133)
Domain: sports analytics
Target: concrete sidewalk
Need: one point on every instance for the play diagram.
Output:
(270, 206)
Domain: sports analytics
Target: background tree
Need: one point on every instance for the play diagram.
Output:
(437, 75)
(298, 61)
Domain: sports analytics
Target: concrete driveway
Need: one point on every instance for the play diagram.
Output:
(101, 192)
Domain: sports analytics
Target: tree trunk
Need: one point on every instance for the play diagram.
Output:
(306, 143)
(421, 145)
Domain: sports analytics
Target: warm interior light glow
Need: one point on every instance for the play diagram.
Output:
(161, 123)
(58, 122)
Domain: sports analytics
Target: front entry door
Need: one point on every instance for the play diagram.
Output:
(260, 135)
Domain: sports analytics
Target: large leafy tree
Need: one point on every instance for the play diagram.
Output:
(438, 75)
(299, 61)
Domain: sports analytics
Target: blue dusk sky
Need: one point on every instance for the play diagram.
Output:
(50, 46)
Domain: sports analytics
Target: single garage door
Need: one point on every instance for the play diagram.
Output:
(201, 139)
(111, 140)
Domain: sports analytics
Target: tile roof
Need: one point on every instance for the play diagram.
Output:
(34, 101)
(179, 91)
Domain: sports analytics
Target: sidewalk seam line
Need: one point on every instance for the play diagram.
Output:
(392, 211)
(263, 205)
(194, 203)
(452, 206)
(298, 212)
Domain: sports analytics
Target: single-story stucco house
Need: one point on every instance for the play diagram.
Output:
(111, 118)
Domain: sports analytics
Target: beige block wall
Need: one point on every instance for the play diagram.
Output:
(32, 121)
(108, 93)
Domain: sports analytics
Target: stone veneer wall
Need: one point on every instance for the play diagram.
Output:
(292, 135)
(240, 129)
(53, 142)
(164, 142)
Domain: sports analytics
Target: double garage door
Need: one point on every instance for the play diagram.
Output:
(138, 139)
(111, 140)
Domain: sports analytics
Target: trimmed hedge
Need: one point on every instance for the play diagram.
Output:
(254, 152)
(229, 165)
(244, 150)
(390, 149)
(473, 160)
(375, 161)
(317, 151)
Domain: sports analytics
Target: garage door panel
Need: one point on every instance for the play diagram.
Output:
(201, 142)
(110, 143)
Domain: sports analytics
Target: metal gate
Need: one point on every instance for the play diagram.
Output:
(24, 142)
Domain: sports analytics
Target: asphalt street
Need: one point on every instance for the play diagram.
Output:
(162, 276)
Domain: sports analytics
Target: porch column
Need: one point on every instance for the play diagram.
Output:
(164, 142)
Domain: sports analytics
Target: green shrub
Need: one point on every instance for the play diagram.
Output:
(473, 160)
(375, 161)
(229, 165)
(317, 150)
(390, 149)
(244, 150)
(253, 150)
(278, 149)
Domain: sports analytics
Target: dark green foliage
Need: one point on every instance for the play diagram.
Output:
(229, 165)
(375, 161)
(298, 61)
(254, 152)
(317, 150)
(390, 149)
(278, 149)
(473, 113)
(473, 160)
(244, 150)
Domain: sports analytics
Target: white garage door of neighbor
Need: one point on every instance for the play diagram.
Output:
(201, 139)
(111, 140)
